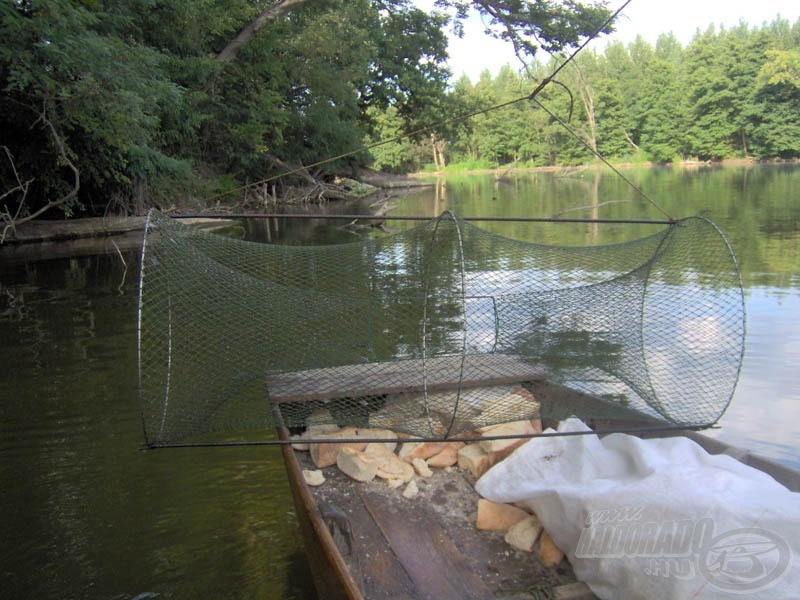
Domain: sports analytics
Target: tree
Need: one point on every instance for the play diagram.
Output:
(617, 97)
(132, 93)
(723, 69)
(612, 140)
(533, 24)
(662, 133)
(101, 96)
(280, 8)
(775, 113)
(153, 101)
(394, 152)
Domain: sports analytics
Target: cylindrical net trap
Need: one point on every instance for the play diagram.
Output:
(435, 331)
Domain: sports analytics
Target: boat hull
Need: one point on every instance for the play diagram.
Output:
(332, 578)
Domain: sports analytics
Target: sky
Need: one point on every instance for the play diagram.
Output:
(648, 18)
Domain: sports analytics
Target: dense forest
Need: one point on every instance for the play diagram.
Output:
(108, 107)
(111, 107)
(731, 93)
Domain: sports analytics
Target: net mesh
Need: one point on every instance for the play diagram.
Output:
(432, 330)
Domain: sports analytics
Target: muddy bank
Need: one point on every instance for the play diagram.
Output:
(43, 230)
(392, 181)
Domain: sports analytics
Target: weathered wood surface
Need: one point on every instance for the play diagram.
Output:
(419, 548)
(373, 562)
(425, 550)
(329, 569)
(43, 230)
(73, 229)
(372, 379)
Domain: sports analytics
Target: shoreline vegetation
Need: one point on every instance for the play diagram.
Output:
(370, 185)
(113, 109)
(685, 164)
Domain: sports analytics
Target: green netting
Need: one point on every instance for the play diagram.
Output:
(430, 331)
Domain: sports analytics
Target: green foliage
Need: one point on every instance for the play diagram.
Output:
(533, 24)
(469, 164)
(775, 113)
(727, 94)
(392, 152)
(133, 94)
(106, 97)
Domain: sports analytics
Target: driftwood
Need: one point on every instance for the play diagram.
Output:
(379, 208)
(498, 176)
(317, 193)
(300, 171)
(39, 231)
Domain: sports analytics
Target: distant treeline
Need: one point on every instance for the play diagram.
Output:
(731, 93)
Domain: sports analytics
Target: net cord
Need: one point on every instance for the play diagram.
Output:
(351, 217)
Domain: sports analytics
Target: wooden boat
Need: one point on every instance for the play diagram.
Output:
(441, 293)
(364, 540)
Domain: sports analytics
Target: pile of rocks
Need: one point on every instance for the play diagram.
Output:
(522, 529)
(442, 412)
(401, 463)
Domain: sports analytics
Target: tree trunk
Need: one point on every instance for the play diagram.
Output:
(437, 147)
(630, 141)
(587, 97)
(278, 9)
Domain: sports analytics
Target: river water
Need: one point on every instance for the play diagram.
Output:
(86, 514)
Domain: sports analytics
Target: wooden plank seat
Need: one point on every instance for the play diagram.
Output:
(372, 379)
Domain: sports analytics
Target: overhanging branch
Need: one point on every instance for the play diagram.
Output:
(229, 52)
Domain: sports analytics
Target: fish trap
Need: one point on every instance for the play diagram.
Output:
(435, 331)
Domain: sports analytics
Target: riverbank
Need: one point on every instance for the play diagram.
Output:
(370, 183)
(43, 230)
(503, 170)
(45, 240)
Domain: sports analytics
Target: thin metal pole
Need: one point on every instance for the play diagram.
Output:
(423, 218)
(456, 438)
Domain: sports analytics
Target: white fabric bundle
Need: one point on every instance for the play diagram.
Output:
(658, 518)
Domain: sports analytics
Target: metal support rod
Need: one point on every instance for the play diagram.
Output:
(456, 438)
(423, 218)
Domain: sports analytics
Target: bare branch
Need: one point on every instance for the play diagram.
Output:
(630, 141)
(11, 221)
(21, 186)
(124, 264)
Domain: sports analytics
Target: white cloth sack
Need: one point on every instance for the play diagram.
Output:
(658, 518)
